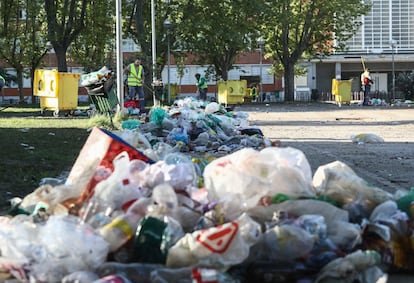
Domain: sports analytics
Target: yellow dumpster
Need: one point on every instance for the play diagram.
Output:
(57, 90)
(342, 90)
(173, 92)
(232, 92)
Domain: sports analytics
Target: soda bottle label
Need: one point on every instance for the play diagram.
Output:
(120, 224)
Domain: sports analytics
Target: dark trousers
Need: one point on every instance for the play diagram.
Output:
(202, 94)
(367, 90)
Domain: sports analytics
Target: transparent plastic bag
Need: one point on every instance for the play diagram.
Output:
(255, 174)
(358, 266)
(339, 182)
(42, 252)
(287, 243)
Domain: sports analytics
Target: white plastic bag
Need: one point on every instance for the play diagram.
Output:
(366, 138)
(116, 189)
(217, 247)
(254, 174)
(339, 182)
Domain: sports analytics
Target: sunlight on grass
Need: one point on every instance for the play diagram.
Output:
(43, 123)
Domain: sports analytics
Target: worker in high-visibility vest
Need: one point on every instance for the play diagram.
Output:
(253, 92)
(135, 82)
(201, 87)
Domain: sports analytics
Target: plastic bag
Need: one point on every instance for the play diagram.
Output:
(255, 174)
(339, 182)
(343, 234)
(42, 252)
(116, 189)
(217, 247)
(366, 138)
(286, 243)
(157, 115)
(179, 175)
(80, 277)
(359, 266)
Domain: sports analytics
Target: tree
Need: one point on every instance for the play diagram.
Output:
(138, 27)
(219, 31)
(19, 19)
(93, 48)
(405, 83)
(300, 29)
(65, 21)
(36, 41)
(213, 31)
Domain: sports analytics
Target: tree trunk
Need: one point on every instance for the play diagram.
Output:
(289, 78)
(61, 58)
(225, 75)
(19, 75)
(32, 71)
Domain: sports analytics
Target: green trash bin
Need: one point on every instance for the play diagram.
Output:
(103, 96)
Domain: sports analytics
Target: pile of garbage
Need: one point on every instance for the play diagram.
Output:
(196, 194)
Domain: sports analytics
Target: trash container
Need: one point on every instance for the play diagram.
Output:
(103, 95)
(341, 89)
(57, 90)
(173, 92)
(231, 92)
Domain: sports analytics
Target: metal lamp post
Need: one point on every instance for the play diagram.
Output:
(260, 42)
(154, 51)
(393, 44)
(167, 25)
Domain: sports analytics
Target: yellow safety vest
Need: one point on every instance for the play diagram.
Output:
(134, 77)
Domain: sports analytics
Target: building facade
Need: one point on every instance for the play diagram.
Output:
(384, 44)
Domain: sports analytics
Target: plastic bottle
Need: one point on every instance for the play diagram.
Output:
(122, 228)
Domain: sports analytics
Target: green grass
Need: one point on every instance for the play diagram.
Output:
(35, 146)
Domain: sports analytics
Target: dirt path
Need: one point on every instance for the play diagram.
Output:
(323, 132)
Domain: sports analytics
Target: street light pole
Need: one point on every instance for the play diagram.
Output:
(393, 44)
(119, 56)
(260, 42)
(154, 52)
(167, 25)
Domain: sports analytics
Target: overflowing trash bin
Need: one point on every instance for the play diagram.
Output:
(100, 86)
(197, 194)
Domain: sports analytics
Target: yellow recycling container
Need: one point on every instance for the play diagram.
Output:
(232, 92)
(342, 90)
(57, 90)
(173, 91)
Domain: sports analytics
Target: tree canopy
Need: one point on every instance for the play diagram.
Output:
(215, 32)
(300, 29)
(18, 19)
